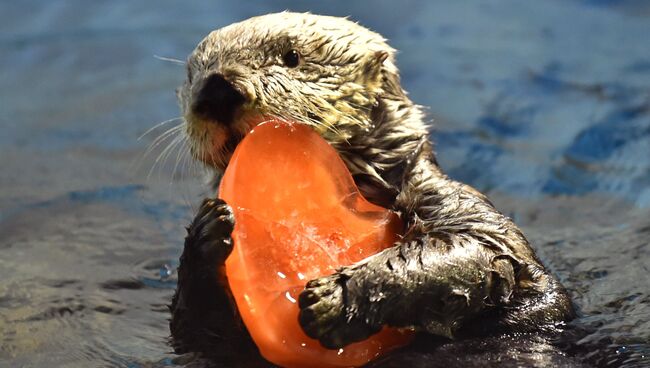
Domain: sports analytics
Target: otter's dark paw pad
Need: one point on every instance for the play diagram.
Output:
(325, 316)
(209, 236)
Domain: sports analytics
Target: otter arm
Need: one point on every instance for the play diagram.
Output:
(423, 283)
(204, 318)
(460, 258)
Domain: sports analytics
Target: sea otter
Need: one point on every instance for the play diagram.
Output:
(462, 268)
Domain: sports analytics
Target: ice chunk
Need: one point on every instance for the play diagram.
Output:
(299, 216)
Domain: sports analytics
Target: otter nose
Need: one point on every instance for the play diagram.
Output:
(218, 100)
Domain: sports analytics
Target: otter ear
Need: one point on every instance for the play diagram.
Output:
(389, 79)
(381, 56)
(375, 61)
(371, 69)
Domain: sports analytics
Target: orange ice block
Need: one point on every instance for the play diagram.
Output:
(299, 216)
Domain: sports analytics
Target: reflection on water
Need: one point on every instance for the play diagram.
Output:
(544, 105)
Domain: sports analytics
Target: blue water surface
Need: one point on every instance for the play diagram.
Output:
(543, 105)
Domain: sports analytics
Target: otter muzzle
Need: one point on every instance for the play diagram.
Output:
(217, 100)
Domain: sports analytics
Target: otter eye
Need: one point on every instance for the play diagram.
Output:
(291, 58)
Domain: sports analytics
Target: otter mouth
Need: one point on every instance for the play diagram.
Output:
(226, 139)
(230, 145)
(232, 142)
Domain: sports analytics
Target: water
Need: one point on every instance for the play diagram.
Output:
(543, 105)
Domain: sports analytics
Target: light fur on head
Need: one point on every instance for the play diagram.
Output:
(346, 86)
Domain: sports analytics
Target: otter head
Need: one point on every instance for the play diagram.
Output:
(323, 71)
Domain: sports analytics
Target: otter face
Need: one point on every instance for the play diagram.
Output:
(317, 70)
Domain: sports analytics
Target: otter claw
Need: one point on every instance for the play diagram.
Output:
(324, 315)
(211, 231)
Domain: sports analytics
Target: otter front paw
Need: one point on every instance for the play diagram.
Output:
(204, 316)
(328, 313)
(209, 236)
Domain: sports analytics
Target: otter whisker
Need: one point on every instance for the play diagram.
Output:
(162, 138)
(158, 125)
(318, 123)
(189, 165)
(171, 60)
(186, 163)
(175, 144)
(212, 159)
(159, 140)
(162, 157)
(195, 166)
(181, 151)
(137, 164)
